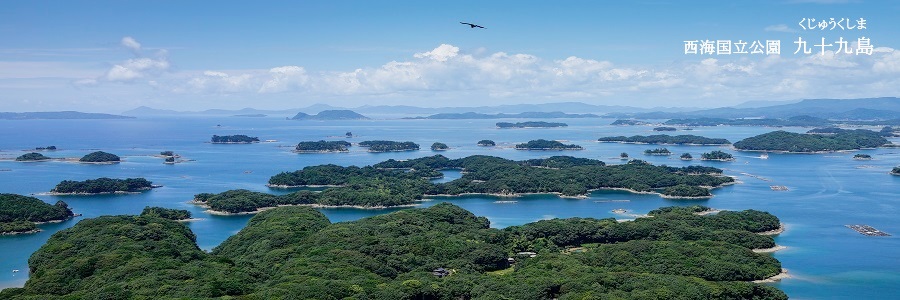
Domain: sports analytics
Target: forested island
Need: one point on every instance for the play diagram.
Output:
(100, 157)
(665, 129)
(862, 157)
(685, 139)
(437, 146)
(322, 146)
(486, 143)
(234, 139)
(33, 156)
(531, 124)
(544, 145)
(394, 183)
(389, 146)
(18, 214)
(297, 253)
(717, 155)
(166, 213)
(102, 185)
(687, 156)
(812, 143)
(657, 151)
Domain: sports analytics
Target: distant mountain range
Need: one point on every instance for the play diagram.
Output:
(58, 115)
(337, 114)
(832, 109)
(536, 115)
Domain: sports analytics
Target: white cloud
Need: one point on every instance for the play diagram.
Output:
(131, 43)
(779, 28)
(441, 53)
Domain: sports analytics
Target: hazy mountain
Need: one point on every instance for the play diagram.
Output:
(58, 115)
(857, 109)
(331, 115)
(535, 115)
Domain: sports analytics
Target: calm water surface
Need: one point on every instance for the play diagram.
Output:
(827, 191)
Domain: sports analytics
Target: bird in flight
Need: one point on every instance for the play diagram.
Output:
(471, 25)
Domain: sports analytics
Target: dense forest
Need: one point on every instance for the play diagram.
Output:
(100, 157)
(166, 213)
(19, 213)
(666, 139)
(439, 147)
(389, 146)
(542, 144)
(657, 151)
(531, 124)
(664, 128)
(486, 143)
(295, 252)
(805, 143)
(717, 155)
(323, 146)
(102, 185)
(233, 139)
(33, 156)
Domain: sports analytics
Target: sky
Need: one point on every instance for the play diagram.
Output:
(112, 56)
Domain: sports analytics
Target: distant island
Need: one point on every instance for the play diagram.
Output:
(717, 155)
(342, 114)
(58, 115)
(33, 156)
(439, 147)
(486, 143)
(100, 157)
(322, 147)
(657, 151)
(48, 148)
(784, 141)
(166, 213)
(524, 115)
(862, 157)
(801, 121)
(18, 214)
(629, 122)
(685, 139)
(102, 185)
(538, 124)
(389, 146)
(544, 145)
(665, 129)
(687, 156)
(234, 139)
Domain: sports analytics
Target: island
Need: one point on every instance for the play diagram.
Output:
(100, 157)
(717, 155)
(685, 139)
(524, 115)
(658, 151)
(166, 213)
(623, 156)
(665, 129)
(896, 171)
(20, 214)
(33, 156)
(341, 114)
(628, 122)
(888, 131)
(683, 191)
(799, 121)
(686, 156)
(322, 147)
(546, 145)
(537, 124)
(439, 147)
(48, 148)
(783, 141)
(486, 143)
(234, 139)
(439, 252)
(389, 146)
(862, 157)
(103, 185)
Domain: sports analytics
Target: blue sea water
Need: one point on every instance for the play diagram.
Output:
(827, 191)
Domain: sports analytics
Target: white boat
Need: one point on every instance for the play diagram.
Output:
(764, 156)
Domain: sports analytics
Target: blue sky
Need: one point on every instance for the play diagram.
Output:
(116, 55)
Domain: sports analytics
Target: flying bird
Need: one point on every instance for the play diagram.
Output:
(471, 25)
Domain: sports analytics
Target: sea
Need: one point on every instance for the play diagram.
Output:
(825, 259)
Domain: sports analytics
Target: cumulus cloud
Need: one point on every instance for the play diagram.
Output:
(779, 28)
(131, 70)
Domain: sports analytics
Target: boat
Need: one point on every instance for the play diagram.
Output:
(764, 156)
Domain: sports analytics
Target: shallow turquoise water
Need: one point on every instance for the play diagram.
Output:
(827, 191)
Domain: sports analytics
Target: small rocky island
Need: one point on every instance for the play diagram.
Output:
(658, 151)
(717, 156)
(389, 146)
(687, 156)
(166, 213)
(322, 147)
(665, 129)
(538, 124)
(234, 139)
(48, 148)
(33, 156)
(20, 214)
(546, 145)
(100, 157)
(439, 147)
(486, 143)
(102, 185)
(685, 139)
(862, 157)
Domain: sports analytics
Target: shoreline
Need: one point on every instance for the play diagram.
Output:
(281, 186)
(776, 231)
(664, 144)
(21, 232)
(769, 250)
(102, 193)
(262, 209)
(775, 278)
